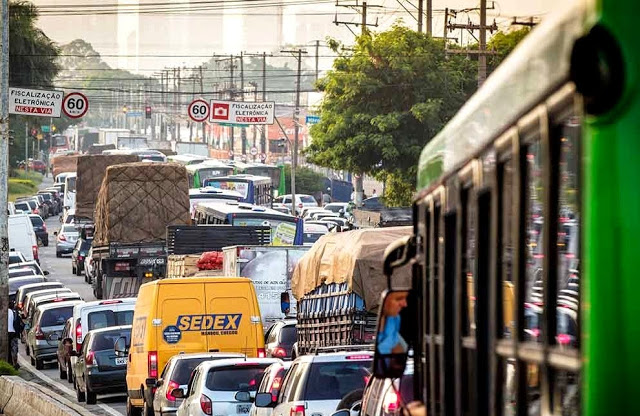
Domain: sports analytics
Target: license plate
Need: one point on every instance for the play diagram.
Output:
(121, 361)
(243, 408)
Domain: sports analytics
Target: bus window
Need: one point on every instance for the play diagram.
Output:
(534, 250)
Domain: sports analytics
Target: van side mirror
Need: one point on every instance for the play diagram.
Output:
(177, 393)
(264, 400)
(343, 412)
(120, 347)
(397, 254)
(392, 349)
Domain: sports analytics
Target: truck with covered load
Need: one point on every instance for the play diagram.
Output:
(136, 203)
(338, 284)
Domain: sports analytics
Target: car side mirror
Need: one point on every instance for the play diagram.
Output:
(342, 412)
(120, 347)
(391, 349)
(46, 273)
(151, 382)
(178, 393)
(243, 396)
(264, 400)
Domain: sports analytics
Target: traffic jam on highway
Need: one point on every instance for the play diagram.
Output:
(185, 285)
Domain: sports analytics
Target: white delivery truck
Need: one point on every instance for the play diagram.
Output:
(22, 238)
(192, 148)
(270, 268)
(110, 136)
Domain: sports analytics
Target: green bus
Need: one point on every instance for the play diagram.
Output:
(524, 253)
(198, 173)
(276, 173)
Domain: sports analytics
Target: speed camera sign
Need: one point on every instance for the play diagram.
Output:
(198, 110)
(75, 105)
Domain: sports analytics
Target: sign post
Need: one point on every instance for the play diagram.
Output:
(29, 102)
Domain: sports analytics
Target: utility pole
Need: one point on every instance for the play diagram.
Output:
(296, 129)
(204, 134)
(482, 58)
(363, 22)
(263, 131)
(420, 14)
(174, 106)
(429, 17)
(231, 129)
(243, 130)
(4, 173)
(177, 109)
(317, 59)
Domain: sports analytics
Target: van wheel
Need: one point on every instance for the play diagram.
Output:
(58, 254)
(131, 409)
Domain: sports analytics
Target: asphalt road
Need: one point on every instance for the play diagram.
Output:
(60, 270)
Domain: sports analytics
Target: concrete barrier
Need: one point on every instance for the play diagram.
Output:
(19, 397)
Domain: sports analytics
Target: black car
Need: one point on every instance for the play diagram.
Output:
(40, 228)
(98, 370)
(54, 208)
(80, 251)
(279, 339)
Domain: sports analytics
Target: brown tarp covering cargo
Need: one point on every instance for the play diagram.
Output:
(91, 171)
(354, 257)
(63, 163)
(137, 201)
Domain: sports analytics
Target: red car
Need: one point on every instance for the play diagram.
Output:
(37, 166)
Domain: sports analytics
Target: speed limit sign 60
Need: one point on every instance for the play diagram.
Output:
(75, 105)
(199, 110)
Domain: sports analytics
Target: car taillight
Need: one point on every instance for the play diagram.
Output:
(261, 353)
(62, 237)
(39, 334)
(152, 360)
(78, 336)
(206, 405)
(35, 252)
(297, 411)
(80, 258)
(89, 358)
(391, 402)
(279, 352)
(275, 387)
(170, 387)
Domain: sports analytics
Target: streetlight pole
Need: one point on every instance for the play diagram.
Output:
(4, 173)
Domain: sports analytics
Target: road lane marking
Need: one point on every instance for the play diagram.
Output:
(24, 363)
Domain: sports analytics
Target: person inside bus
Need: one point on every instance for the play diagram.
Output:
(389, 340)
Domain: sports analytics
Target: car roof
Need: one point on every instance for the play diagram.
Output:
(229, 362)
(109, 329)
(187, 356)
(45, 285)
(56, 305)
(24, 278)
(25, 264)
(107, 303)
(338, 357)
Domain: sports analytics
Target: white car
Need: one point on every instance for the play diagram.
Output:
(312, 232)
(337, 207)
(302, 201)
(217, 385)
(22, 238)
(315, 384)
(271, 383)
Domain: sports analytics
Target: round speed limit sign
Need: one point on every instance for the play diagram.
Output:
(198, 110)
(75, 105)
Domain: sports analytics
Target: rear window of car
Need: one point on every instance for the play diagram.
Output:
(332, 381)
(69, 229)
(311, 237)
(406, 388)
(334, 208)
(108, 318)
(86, 245)
(288, 334)
(308, 199)
(183, 369)
(36, 221)
(235, 378)
(106, 340)
(57, 316)
(14, 258)
(16, 284)
(23, 206)
(46, 197)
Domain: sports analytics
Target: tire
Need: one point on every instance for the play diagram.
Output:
(69, 373)
(79, 394)
(132, 410)
(39, 364)
(91, 397)
(62, 370)
(78, 271)
(98, 287)
(26, 350)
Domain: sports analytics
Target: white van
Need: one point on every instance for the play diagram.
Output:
(70, 191)
(22, 238)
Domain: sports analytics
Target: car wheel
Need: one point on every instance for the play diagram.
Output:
(147, 410)
(131, 409)
(79, 394)
(39, 364)
(69, 373)
(62, 371)
(91, 396)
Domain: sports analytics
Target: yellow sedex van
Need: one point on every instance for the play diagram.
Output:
(196, 314)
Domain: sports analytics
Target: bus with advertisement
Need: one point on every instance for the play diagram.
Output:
(59, 143)
(286, 230)
(254, 189)
(198, 173)
(276, 173)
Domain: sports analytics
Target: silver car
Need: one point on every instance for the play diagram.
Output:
(66, 239)
(176, 375)
(44, 335)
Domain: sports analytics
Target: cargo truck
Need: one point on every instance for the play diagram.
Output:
(338, 285)
(110, 136)
(132, 142)
(192, 148)
(136, 203)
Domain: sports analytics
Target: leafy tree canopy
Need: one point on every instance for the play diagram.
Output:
(385, 101)
(307, 180)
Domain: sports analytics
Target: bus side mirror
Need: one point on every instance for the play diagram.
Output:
(391, 348)
(397, 255)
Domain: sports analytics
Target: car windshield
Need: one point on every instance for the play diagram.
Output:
(108, 318)
(334, 208)
(288, 334)
(46, 197)
(332, 381)
(235, 378)
(36, 221)
(55, 317)
(22, 206)
(106, 340)
(307, 199)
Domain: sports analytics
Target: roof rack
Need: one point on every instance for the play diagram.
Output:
(343, 348)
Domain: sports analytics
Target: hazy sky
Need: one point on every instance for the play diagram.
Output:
(196, 36)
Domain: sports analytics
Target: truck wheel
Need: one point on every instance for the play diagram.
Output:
(131, 409)
(98, 287)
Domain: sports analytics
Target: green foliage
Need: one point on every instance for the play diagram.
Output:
(21, 187)
(7, 369)
(384, 101)
(503, 43)
(20, 174)
(307, 181)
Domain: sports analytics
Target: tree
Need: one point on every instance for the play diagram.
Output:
(307, 180)
(503, 43)
(385, 101)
